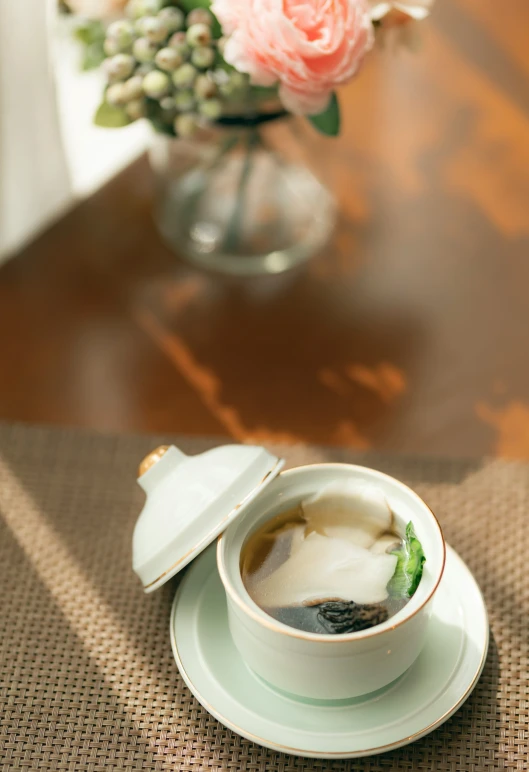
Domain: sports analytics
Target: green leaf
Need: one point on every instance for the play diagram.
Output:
(93, 57)
(189, 5)
(88, 32)
(110, 117)
(83, 35)
(328, 122)
(410, 562)
(264, 91)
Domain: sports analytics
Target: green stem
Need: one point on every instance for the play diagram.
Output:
(207, 168)
(270, 149)
(233, 231)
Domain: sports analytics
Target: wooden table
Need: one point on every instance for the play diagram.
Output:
(411, 332)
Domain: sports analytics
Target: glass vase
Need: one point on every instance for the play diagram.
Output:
(242, 198)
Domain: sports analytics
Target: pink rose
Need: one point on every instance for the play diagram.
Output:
(309, 46)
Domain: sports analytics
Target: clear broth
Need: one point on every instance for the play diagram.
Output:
(269, 547)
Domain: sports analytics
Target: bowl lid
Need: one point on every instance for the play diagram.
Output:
(190, 501)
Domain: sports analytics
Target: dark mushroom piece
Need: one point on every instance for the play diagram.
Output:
(340, 617)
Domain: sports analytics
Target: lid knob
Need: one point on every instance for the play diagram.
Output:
(151, 459)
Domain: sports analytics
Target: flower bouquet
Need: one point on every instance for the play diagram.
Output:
(89, 20)
(213, 74)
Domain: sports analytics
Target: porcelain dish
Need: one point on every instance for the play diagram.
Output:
(313, 695)
(330, 666)
(190, 501)
(427, 694)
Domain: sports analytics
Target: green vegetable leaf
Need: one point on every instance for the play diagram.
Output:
(110, 117)
(410, 561)
(328, 122)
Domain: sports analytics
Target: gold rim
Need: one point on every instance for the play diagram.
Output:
(330, 754)
(266, 621)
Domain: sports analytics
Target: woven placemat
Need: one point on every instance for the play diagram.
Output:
(87, 677)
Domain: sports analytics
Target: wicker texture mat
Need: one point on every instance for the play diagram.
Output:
(87, 677)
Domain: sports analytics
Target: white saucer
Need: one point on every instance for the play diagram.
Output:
(423, 698)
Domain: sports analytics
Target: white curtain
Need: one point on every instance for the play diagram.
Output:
(34, 179)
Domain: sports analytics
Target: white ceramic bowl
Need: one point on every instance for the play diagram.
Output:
(328, 667)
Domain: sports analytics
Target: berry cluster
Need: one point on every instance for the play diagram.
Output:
(167, 65)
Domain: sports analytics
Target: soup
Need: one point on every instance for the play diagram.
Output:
(333, 564)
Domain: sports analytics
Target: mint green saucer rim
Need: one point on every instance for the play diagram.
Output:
(325, 754)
